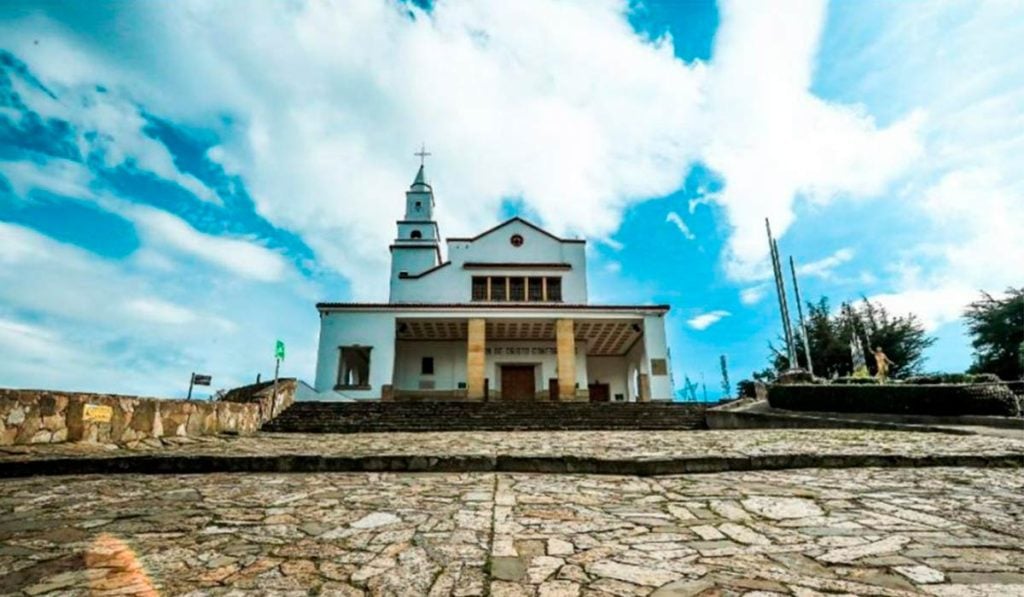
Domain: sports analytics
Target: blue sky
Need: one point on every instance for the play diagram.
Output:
(181, 182)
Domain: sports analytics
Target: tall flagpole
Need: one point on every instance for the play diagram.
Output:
(800, 313)
(780, 289)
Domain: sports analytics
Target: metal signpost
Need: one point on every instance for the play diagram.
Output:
(198, 379)
(278, 357)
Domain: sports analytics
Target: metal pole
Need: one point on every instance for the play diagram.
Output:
(780, 289)
(787, 320)
(273, 400)
(800, 313)
(191, 382)
(726, 387)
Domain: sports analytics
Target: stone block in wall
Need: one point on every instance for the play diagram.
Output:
(211, 426)
(174, 416)
(11, 415)
(227, 420)
(53, 413)
(28, 417)
(196, 421)
(82, 430)
(32, 417)
(146, 421)
(121, 429)
(250, 421)
(75, 425)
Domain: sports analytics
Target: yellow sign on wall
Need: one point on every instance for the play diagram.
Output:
(97, 413)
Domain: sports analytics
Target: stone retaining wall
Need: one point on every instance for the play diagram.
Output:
(262, 394)
(43, 416)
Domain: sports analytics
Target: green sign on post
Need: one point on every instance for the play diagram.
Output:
(278, 357)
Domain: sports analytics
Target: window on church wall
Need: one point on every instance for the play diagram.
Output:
(479, 288)
(354, 367)
(427, 366)
(535, 289)
(415, 234)
(517, 289)
(499, 289)
(554, 289)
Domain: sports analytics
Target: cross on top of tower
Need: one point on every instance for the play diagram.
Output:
(422, 153)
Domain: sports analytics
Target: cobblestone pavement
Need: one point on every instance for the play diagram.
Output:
(600, 444)
(941, 531)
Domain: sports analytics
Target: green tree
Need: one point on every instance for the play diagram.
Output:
(997, 329)
(901, 337)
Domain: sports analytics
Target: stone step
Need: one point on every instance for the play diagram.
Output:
(359, 417)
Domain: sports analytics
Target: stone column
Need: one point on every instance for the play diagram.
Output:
(475, 372)
(645, 388)
(565, 343)
(656, 355)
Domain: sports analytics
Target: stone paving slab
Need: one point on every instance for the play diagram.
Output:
(894, 532)
(622, 453)
(620, 445)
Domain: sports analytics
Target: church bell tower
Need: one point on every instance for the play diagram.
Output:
(418, 245)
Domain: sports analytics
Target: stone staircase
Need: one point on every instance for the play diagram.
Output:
(374, 416)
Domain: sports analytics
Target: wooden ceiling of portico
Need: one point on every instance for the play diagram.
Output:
(604, 337)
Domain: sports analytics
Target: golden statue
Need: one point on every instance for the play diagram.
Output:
(882, 362)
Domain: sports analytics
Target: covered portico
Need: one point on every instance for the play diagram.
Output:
(601, 355)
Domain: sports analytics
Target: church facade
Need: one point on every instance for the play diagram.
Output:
(503, 315)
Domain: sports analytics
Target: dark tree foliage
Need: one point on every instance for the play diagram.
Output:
(901, 337)
(997, 328)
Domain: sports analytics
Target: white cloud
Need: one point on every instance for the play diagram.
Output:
(164, 234)
(703, 199)
(240, 257)
(87, 323)
(514, 99)
(976, 217)
(966, 201)
(41, 274)
(753, 294)
(773, 141)
(934, 305)
(706, 320)
(60, 177)
(160, 311)
(108, 125)
(674, 218)
(823, 268)
(39, 357)
(27, 340)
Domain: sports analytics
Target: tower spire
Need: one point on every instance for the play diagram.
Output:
(421, 177)
(422, 153)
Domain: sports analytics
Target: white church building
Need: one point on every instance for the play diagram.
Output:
(503, 315)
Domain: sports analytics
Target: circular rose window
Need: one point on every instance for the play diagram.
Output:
(516, 240)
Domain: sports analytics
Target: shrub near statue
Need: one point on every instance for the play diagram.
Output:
(911, 399)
